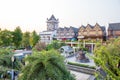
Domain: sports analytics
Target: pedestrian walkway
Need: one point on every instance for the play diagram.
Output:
(80, 76)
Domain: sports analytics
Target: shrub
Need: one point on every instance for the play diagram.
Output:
(82, 65)
(40, 46)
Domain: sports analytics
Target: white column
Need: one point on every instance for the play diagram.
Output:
(92, 47)
(84, 43)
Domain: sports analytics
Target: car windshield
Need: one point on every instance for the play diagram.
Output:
(69, 48)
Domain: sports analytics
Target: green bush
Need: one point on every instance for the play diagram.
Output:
(81, 65)
(55, 45)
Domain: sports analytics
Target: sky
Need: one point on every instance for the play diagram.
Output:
(32, 14)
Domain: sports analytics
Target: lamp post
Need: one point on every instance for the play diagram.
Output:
(12, 73)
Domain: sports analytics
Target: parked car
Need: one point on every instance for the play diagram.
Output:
(66, 51)
(21, 54)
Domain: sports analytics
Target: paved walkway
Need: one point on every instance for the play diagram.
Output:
(80, 76)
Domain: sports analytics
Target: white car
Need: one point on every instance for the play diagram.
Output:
(66, 51)
(21, 54)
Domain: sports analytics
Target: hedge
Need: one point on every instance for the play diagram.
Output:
(82, 65)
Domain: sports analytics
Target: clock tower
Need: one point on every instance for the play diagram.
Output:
(52, 23)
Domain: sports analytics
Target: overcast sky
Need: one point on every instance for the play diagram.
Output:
(32, 14)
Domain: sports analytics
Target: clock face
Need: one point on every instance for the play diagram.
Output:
(51, 26)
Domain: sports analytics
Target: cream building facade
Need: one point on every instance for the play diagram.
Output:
(52, 26)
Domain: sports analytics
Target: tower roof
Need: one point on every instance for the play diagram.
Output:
(52, 18)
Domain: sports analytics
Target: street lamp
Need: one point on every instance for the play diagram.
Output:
(12, 73)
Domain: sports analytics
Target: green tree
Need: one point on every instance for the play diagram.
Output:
(34, 38)
(17, 36)
(55, 45)
(6, 62)
(26, 40)
(5, 58)
(45, 65)
(6, 38)
(108, 58)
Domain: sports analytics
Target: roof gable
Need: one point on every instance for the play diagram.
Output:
(97, 27)
(82, 28)
(89, 27)
(52, 18)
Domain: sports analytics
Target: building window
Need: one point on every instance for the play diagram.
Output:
(72, 34)
(48, 37)
(62, 34)
(88, 33)
(96, 34)
(67, 34)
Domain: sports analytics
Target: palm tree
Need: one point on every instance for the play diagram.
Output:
(45, 65)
